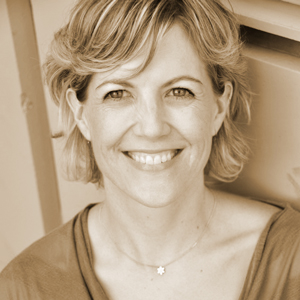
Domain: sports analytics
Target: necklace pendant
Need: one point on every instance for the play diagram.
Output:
(160, 270)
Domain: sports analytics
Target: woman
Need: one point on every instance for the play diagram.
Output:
(148, 92)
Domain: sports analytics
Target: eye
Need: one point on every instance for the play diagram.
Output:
(116, 95)
(181, 93)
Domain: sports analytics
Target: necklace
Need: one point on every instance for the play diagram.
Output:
(162, 268)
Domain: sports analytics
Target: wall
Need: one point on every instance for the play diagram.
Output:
(74, 195)
(21, 217)
(20, 214)
(274, 167)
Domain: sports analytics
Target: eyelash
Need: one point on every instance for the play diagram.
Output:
(108, 95)
(190, 94)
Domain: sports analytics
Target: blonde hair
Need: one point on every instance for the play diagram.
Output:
(102, 35)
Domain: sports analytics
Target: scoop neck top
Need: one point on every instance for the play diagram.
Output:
(272, 243)
(60, 265)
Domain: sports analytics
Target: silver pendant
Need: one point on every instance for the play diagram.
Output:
(160, 270)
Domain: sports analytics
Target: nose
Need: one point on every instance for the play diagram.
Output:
(151, 119)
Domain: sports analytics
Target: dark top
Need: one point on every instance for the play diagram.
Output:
(59, 266)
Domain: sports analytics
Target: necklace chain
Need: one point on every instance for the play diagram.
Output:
(161, 268)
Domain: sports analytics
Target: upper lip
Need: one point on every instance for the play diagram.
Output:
(152, 151)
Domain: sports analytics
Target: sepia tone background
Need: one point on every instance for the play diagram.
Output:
(34, 196)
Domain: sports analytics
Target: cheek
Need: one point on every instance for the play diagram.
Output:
(107, 127)
(200, 148)
(193, 122)
(195, 125)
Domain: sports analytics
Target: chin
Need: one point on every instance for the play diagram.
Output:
(156, 198)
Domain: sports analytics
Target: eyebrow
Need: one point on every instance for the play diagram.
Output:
(170, 82)
(115, 81)
(180, 78)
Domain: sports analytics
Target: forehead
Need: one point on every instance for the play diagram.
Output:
(175, 55)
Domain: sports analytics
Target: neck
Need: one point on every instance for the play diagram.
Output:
(139, 230)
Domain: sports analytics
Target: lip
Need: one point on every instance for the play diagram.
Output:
(148, 167)
(152, 151)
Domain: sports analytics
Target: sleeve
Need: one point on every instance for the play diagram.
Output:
(28, 277)
(46, 270)
(12, 288)
(291, 284)
(278, 273)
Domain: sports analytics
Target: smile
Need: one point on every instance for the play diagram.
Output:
(153, 158)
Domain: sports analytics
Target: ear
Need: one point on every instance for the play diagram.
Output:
(223, 103)
(78, 109)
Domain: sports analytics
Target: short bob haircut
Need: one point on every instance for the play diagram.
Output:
(102, 35)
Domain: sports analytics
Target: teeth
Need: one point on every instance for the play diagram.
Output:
(157, 160)
(153, 159)
(169, 156)
(149, 160)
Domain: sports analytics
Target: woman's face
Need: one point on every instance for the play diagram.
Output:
(152, 134)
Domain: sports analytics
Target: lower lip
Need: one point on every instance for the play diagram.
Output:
(158, 167)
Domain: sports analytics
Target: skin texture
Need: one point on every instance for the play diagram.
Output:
(153, 213)
(149, 117)
(150, 206)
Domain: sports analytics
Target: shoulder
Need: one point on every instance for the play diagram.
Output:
(53, 247)
(44, 267)
(239, 223)
(283, 234)
(275, 221)
(243, 215)
(273, 232)
(277, 258)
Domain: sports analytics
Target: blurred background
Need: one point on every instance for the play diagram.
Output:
(34, 196)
